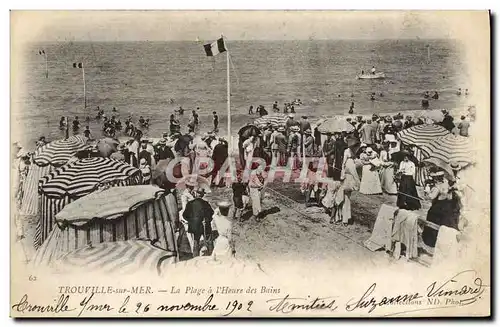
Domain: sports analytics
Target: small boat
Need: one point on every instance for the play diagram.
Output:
(371, 76)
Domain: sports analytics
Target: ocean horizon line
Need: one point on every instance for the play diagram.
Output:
(245, 40)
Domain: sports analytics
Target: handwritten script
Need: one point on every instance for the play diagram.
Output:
(461, 289)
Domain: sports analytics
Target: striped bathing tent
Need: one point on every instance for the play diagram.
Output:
(422, 134)
(115, 214)
(45, 159)
(450, 148)
(276, 120)
(120, 258)
(74, 180)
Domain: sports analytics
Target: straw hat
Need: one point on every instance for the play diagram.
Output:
(390, 138)
(369, 150)
(224, 204)
(291, 115)
(437, 173)
(308, 131)
(281, 129)
(455, 166)
(294, 128)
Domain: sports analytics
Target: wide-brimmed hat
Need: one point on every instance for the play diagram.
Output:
(281, 129)
(304, 116)
(362, 145)
(455, 165)
(294, 128)
(390, 138)
(162, 141)
(352, 141)
(224, 204)
(291, 115)
(437, 173)
(308, 131)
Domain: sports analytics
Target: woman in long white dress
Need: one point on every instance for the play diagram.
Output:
(370, 181)
(350, 182)
(387, 171)
(223, 244)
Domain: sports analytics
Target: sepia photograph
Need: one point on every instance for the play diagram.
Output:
(250, 163)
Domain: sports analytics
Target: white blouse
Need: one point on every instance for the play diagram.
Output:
(407, 168)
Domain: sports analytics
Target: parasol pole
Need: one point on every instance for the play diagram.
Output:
(67, 128)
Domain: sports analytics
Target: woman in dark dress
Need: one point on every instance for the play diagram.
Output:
(445, 209)
(407, 192)
(340, 146)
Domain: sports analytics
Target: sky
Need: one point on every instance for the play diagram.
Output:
(235, 25)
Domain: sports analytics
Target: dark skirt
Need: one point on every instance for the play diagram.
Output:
(337, 170)
(442, 212)
(407, 194)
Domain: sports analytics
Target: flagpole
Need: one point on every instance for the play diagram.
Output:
(84, 89)
(229, 140)
(46, 66)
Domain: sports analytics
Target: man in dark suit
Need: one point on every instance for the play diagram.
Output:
(198, 214)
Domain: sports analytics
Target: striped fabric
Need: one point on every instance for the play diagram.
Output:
(81, 177)
(450, 148)
(422, 134)
(421, 172)
(58, 152)
(334, 125)
(74, 180)
(276, 120)
(150, 220)
(121, 258)
(29, 202)
(50, 206)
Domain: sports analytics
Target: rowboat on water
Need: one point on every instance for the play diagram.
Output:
(371, 76)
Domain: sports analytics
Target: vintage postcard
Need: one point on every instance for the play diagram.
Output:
(250, 164)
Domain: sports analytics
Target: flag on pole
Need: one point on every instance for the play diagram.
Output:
(215, 48)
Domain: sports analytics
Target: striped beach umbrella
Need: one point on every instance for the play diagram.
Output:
(57, 153)
(276, 120)
(450, 148)
(115, 214)
(335, 125)
(45, 159)
(120, 258)
(74, 180)
(422, 134)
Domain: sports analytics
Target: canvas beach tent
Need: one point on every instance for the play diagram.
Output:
(75, 180)
(116, 214)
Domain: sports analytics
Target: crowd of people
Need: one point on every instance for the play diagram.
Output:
(370, 160)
